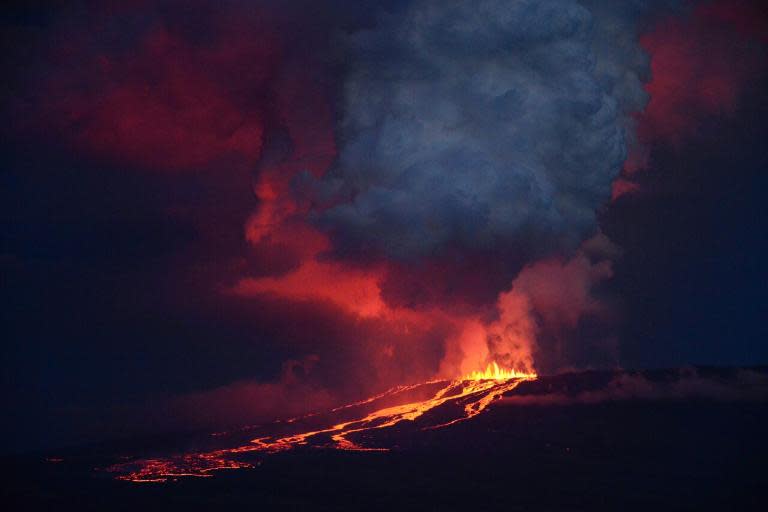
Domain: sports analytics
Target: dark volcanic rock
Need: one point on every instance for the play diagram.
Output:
(692, 439)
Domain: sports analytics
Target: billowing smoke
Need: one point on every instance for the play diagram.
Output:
(480, 125)
(491, 127)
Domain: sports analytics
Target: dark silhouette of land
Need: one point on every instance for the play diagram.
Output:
(691, 439)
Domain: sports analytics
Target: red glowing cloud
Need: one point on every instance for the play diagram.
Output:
(621, 187)
(354, 290)
(171, 100)
(700, 65)
(183, 120)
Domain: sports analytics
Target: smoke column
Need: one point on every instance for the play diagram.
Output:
(487, 127)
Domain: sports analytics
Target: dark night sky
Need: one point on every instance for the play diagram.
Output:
(141, 140)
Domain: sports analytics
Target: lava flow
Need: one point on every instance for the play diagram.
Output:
(468, 396)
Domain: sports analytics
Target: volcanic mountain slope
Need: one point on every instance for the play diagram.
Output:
(679, 439)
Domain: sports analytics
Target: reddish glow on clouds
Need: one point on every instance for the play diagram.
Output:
(621, 187)
(699, 66)
(169, 103)
(183, 120)
(352, 289)
(560, 290)
(171, 100)
(305, 112)
(160, 96)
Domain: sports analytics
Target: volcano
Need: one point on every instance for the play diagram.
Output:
(589, 440)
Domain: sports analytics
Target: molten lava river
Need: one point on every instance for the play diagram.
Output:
(437, 404)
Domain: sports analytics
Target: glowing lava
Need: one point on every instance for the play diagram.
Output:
(463, 398)
(494, 372)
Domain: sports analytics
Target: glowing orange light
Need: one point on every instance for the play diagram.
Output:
(476, 391)
(494, 372)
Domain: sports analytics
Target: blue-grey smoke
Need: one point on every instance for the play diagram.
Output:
(482, 124)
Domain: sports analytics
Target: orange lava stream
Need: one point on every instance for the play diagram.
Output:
(475, 392)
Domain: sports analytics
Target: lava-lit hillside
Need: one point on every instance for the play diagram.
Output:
(360, 426)
(594, 440)
(408, 417)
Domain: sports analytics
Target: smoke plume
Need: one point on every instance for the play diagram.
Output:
(481, 125)
(489, 127)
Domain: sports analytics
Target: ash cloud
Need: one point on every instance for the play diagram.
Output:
(481, 125)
